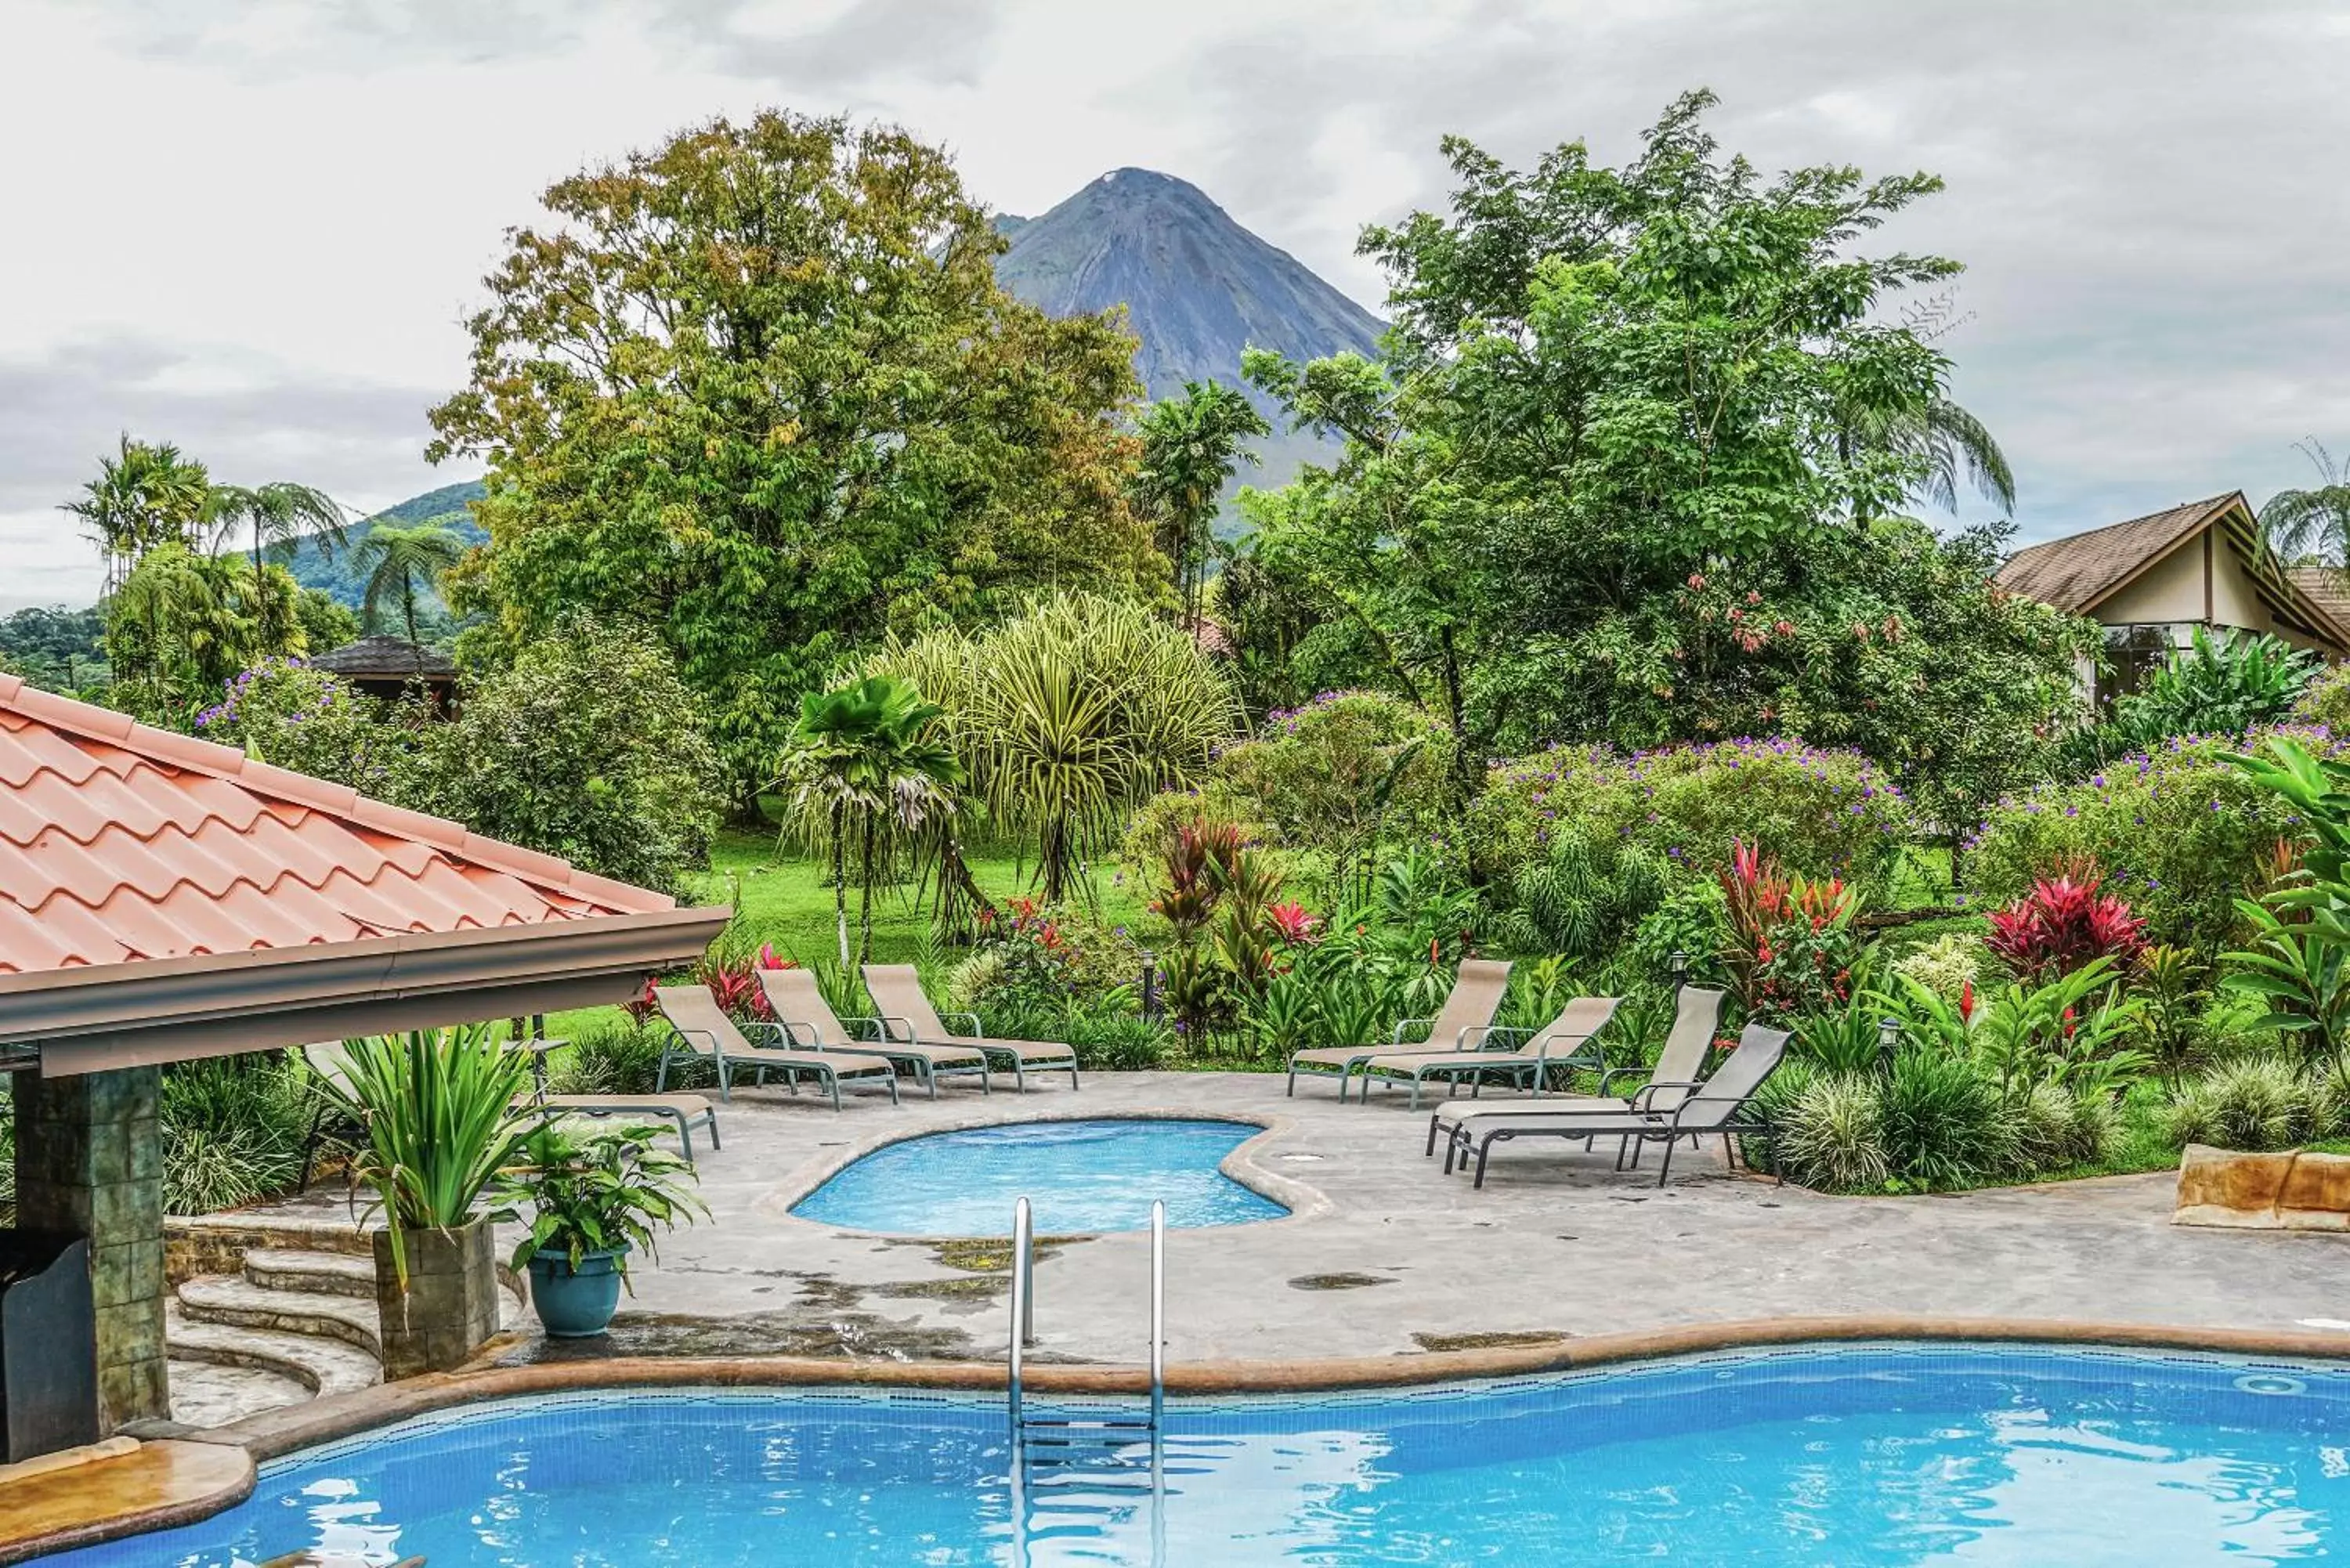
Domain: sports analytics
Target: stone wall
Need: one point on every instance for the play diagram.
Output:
(90, 1162)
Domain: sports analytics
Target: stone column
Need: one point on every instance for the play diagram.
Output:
(90, 1162)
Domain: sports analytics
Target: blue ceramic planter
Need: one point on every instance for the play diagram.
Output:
(573, 1303)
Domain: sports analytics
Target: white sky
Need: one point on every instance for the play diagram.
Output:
(253, 229)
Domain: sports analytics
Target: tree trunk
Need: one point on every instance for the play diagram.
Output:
(865, 893)
(840, 887)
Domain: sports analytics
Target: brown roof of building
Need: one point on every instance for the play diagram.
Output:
(2074, 574)
(122, 843)
(385, 657)
(2326, 588)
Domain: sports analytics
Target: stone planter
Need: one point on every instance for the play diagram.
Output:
(2295, 1190)
(451, 1305)
(576, 1302)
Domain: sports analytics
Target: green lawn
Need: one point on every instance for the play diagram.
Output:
(785, 900)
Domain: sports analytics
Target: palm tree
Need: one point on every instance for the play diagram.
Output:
(281, 515)
(393, 559)
(145, 496)
(1948, 440)
(865, 762)
(2315, 524)
(1190, 446)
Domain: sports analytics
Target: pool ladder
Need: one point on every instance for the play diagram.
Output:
(1054, 1443)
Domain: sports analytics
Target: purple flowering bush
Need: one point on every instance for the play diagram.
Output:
(2176, 831)
(286, 713)
(1822, 812)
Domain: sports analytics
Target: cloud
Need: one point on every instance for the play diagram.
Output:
(248, 422)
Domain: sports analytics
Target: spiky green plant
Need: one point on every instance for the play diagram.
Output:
(437, 1119)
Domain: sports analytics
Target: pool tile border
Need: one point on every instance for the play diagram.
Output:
(274, 1434)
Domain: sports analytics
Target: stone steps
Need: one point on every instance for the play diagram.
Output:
(316, 1274)
(321, 1365)
(237, 1302)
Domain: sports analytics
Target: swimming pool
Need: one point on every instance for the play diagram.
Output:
(1857, 1456)
(1082, 1177)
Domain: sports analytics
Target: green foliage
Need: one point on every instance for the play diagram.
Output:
(1819, 812)
(284, 712)
(1622, 404)
(616, 1057)
(2179, 832)
(1190, 446)
(1945, 1121)
(1829, 1130)
(403, 569)
(180, 625)
(2325, 702)
(1348, 777)
(55, 648)
(762, 379)
(2311, 523)
(1585, 896)
(145, 496)
(1946, 966)
(2252, 1105)
(1068, 717)
(584, 1193)
(2302, 924)
(2223, 683)
(435, 1109)
(867, 767)
(232, 1132)
(2057, 1128)
(589, 746)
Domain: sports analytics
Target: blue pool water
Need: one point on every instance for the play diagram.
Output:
(1081, 1176)
(1861, 1457)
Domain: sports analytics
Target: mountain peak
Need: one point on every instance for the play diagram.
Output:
(1197, 286)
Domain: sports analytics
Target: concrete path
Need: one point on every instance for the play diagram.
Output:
(1388, 1256)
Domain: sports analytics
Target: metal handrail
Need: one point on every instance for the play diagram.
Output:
(1023, 1299)
(1158, 1312)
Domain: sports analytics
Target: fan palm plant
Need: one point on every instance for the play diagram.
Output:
(865, 763)
(278, 517)
(395, 561)
(144, 496)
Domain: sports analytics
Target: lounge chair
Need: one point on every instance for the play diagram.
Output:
(331, 1062)
(1565, 1042)
(1723, 1104)
(907, 1015)
(1695, 1016)
(798, 1003)
(1463, 1024)
(698, 1026)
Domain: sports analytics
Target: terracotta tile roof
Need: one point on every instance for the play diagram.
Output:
(2072, 574)
(118, 842)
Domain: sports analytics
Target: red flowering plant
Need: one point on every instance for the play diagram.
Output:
(733, 978)
(2065, 923)
(1794, 943)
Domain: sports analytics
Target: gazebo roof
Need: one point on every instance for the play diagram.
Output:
(386, 658)
(150, 882)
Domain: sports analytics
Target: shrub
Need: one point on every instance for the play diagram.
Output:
(1819, 812)
(284, 712)
(1034, 955)
(1944, 1123)
(2220, 685)
(2253, 1105)
(2177, 832)
(1585, 897)
(1947, 966)
(1117, 1040)
(2064, 923)
(232, 1132)
(1346, 776)
(2056, 1129)
(1830, 1132)
(590, 747)
(2325, 702)
(620, 1058)
(1792, 946)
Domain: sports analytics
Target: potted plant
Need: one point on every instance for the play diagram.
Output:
(436, 1111)
(593, 1200)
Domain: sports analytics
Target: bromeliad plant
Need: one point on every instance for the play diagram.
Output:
(600, 1194)
(2064, 923)
(1794, 943)
(437, 1119)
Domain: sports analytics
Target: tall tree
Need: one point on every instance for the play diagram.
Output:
(144, 496)
(396, 561)
(278, 517)
(1624, 474)
(1190, 446)
(760, 382)
(2312, 525)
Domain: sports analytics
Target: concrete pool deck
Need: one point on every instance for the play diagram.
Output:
(1385, 1256)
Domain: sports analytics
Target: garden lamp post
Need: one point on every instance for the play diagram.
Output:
(1889, 1040)
(1679, 969)
(1150, 985)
